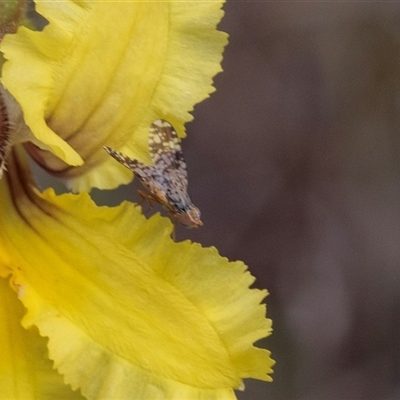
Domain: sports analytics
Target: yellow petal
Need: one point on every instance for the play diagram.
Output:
(128, 312)
(101, 72)
(25, 371)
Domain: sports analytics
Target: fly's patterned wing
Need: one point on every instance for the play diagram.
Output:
(167, 179)
(144, 172)
(122, 158)
(165, 148)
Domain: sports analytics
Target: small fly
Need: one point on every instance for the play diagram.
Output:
(166, 181)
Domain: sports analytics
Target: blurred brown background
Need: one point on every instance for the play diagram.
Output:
(294, 162)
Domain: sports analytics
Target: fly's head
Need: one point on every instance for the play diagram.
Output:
(190, 217)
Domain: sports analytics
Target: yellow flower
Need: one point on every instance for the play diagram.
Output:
(128, 313)
(106, 71)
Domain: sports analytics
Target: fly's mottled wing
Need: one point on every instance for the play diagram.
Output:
(165, 148)
(144, 172)
(122, 158)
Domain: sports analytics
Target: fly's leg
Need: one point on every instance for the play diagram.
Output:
(149, 197)
(175, 222)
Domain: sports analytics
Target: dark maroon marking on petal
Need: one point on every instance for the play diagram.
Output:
(5, 143)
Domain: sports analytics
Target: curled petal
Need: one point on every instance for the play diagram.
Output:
(100, 72)
(127, 310)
